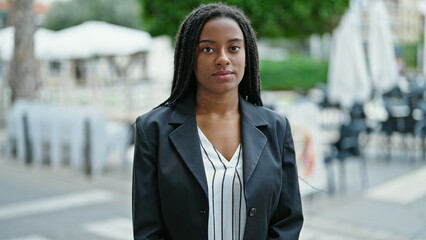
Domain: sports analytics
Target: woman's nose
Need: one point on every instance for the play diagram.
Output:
(222, 59)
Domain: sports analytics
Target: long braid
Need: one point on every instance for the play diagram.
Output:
(184, 79)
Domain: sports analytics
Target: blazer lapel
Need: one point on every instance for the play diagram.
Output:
(185, 139)
(253, 140)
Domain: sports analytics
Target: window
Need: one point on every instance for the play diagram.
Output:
(55, 67)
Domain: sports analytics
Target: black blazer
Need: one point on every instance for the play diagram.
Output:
(170, 198)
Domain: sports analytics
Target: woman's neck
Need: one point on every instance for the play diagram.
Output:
(221, 105)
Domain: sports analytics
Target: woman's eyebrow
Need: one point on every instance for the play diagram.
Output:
(231, 40)
(236, 40)
(207, 41)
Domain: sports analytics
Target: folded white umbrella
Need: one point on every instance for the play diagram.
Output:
(383, 66)
(348, 81)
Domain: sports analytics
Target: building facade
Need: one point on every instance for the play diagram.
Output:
(405, 18)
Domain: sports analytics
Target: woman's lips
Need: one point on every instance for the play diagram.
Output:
(223, 75)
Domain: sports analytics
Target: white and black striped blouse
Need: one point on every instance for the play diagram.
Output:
(227, 205)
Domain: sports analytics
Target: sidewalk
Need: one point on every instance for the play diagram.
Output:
(391, 207)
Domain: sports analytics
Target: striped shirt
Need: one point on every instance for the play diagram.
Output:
(227, 205)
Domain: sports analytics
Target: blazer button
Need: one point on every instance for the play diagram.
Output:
(252, 212)
(202, 211)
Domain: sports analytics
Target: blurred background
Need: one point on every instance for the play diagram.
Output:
(75, 74)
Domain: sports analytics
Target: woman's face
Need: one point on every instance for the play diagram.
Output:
(220, 56)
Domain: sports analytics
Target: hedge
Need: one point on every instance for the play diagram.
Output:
(295, 73)
(409, 54)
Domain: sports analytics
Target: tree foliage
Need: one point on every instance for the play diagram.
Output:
(70, 13)
(270, 18)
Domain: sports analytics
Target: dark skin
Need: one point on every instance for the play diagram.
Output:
(220, 63)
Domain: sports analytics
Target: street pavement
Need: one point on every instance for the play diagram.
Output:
(46, 204)
(41, 203)
(391, 207)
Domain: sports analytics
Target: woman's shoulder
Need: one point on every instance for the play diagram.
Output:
(155, 116)
(271, 116)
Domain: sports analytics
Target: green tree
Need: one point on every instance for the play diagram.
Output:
(270, 18)
(74, 12)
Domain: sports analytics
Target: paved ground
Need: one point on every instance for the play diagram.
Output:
(45, 204)
(391, 207)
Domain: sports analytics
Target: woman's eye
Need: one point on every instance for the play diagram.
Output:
(235, 48)
(207, 49)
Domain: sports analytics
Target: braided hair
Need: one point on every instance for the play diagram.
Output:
(184, 80)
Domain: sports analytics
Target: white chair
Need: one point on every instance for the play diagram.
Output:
(67, 131)
(118, 142)
(97, 139)
(86, 132)
(105, 138)
(38, 130)
(15, 130)
(75, 120)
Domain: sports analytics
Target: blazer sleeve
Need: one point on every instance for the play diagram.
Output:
(287, 221)
(146, 209)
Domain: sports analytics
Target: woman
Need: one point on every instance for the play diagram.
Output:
(210, 162)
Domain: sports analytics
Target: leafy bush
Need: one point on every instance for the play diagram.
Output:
(409, 54)
(295, 73)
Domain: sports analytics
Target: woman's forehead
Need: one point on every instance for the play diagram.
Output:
(221, 27)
